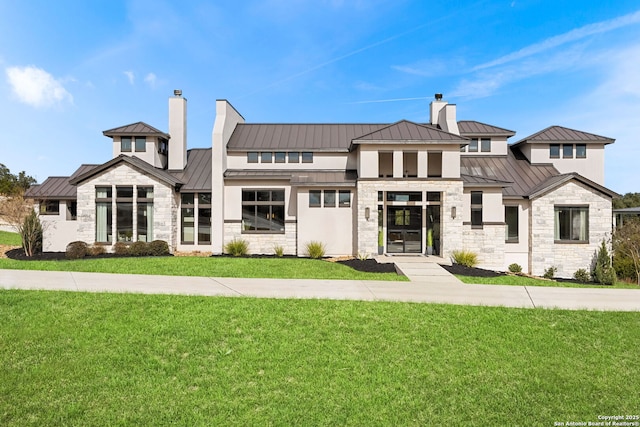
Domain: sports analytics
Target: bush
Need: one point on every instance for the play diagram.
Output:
(314, 249)
(120, 248)
(31, 233)
(96, 249)
(237, 247)
(76, 250)
(550, 272)
(464, 257)
(603, 271)
(278, 250)
(624, 268)
(139, 249)
(582, 275)
(158, 248)
(515, 268)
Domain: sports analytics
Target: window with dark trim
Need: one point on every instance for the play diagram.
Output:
(473, 145)
(511, 221)
(485, 145)
(263, 211)
(265, 157)
(581, 151)
(280, 156)
(144, 208)
(204, 218)
(315, 197)
(125, 144)
(567, 151)
(72, 210)
(571, 224)
(49, 207)
(252, 157)
(188, 218)
(104, 209)
(344, 198)
(294, 157)
(124, 213)
(476, 208)
(141, 144)
(554, 151)
(307, 157)
(329, 198)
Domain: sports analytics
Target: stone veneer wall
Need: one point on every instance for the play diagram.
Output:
(264, 243)
(367, 196)
(567, 257)
(488, 243)
(165, 206)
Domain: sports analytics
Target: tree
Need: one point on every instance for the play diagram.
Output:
(19, 213)
(603, 271)
(12, 184)
(629, 200)
(626, 243)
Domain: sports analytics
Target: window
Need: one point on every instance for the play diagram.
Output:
(294, 157)
(554, 151)
(567, 151)
(463, 148)
(329, 198)
(344, 198)
(252, 157)
(307, 157)
(511, 220)
(163, 148)
(141, 144)
(125, 144)
(314, 198)
(433, 196)
(72, 210)
(265, 157)
(145, 214)
(411, 196)
(485, 145)
(572, 223)
(124, 214)
(473, 145)
(280, 156)
(410, 165)
(188, 218)
(581, 151)
(50, 207)
(204, 218)
(104, 229)
(385, 165)
(263, 211)
(476, 208)
(434, 164)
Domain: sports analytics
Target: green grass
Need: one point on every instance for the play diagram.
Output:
(514, 280)
(122, 359)
(280, 268)
(9, 238)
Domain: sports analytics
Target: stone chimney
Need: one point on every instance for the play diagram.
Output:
(177, 131)
(443, 114)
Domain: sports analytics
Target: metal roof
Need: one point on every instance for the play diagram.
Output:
(522, 175)
(635, 210)
(472, 127)
(132, 161)
(197, 175)
(563, 134)
(300, 178)
(133, 129)
(54, 187)
(558, 180)
(407, 131)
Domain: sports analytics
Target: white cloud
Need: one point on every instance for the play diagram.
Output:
(151, 80)
(34, 86)
(130, 76)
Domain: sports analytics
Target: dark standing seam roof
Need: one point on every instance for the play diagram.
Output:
(57, 187)
(134, 162)
(409, 131)
(562, 134)
(138, 128)
(523, 175)
(477, 128)
(197, 175)
(556, 181)
(306, 178)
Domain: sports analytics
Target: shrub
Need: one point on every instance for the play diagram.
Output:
(31, 232)
(76, 250)
(120, 248)
(158, 248)
(363, 256)
(603, 271)
(515, 268)
(237, 247)
(582, 275)
(139, 249)
(314, 249)
(278, 250)
(465, 257)
(550, 272)
(97, 250)
(624, 267)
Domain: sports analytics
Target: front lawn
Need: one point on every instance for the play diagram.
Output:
(122, 359)
(513, 280)
(280, 268)
(10, 239)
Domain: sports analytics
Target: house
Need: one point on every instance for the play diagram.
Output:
(366, 188)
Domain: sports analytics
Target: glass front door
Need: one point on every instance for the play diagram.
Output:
(404, 229)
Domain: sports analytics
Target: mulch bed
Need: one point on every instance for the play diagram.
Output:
(369, 265)
(472, 271)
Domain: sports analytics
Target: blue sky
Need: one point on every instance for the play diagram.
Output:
(71, 69)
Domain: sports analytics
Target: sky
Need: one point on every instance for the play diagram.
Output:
(72, 69)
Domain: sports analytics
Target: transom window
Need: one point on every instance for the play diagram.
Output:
(263, 211)
(572, 224)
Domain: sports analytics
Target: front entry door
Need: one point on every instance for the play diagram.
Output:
(404, 229)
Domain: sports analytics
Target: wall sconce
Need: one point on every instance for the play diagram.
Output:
(453, 212)
(367, 213)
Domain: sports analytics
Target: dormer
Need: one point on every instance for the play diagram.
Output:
(569, 150)
(142, 141)
(484, 139)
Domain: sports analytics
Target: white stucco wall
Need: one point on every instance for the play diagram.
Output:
(150, 155)
(518, 252)
(591, 167)
(57, 230)
(321, 161)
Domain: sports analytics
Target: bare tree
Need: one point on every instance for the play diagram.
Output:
(626, 243)
(18, 212)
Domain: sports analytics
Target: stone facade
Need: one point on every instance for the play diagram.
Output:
(567, 257)
(165, 203)
(488, 243)
(264, 243)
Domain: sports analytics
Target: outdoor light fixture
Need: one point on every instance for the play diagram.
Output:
(453, 212)
(367, 213)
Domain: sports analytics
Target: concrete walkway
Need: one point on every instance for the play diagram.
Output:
(433, 289)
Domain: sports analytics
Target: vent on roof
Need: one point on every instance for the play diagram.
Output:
(438, 97)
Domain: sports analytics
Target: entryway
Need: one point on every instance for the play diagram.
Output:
(404, 229)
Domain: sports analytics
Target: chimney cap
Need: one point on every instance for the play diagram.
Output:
(438, 97)
(177, 92)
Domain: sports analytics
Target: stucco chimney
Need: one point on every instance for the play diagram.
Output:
(443, 114)
(177, 131)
